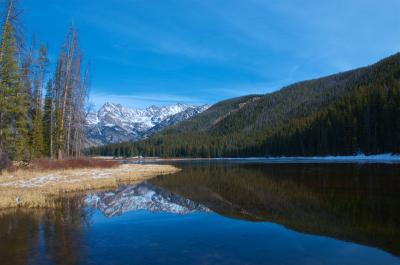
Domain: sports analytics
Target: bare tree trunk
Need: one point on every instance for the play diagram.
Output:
(51, 132)
(71, 96)
(9, 10)
(1, 130)
(68, 144)
(71, 47)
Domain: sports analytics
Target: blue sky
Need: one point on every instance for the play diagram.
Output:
(160, 52)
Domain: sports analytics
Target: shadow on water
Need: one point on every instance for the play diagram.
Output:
(358, 203)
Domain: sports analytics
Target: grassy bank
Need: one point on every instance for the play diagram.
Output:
(39, 184)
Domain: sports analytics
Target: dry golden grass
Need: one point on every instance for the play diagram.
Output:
(38, 188)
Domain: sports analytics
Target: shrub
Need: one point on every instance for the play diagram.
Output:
(45, 164)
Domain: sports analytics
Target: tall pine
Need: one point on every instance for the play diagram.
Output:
(37, 128)
(48, 120)
(13, 101)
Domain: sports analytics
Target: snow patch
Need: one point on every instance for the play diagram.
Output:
(101, 175)
(34, 182)
(360, 158)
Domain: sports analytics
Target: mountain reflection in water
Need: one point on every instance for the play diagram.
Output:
(220, 213)
(144, 196)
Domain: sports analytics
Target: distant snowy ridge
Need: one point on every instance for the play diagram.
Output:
(114, 123)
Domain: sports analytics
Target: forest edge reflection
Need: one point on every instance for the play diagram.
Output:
(351, 202)
(356, 203)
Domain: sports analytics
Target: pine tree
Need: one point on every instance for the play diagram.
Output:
(13, 102)
(37, 130)
(48, 120)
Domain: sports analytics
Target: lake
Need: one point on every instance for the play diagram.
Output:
(220, 212)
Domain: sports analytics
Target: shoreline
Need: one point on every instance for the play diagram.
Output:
(361, 158)
(35, 189)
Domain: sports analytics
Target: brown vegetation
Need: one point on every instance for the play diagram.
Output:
(46, 164)
(40, 184)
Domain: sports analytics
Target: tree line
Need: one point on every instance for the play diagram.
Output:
(366, 119)
(42, 112)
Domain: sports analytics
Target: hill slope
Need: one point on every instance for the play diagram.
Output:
(346, 113)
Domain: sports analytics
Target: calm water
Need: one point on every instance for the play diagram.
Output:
(221, 213)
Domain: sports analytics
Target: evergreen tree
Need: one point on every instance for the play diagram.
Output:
(48, 120)
(37, 130)
(13, 102)
(27, 128)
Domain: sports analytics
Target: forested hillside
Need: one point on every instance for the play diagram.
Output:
(42, 112)
(342, 114)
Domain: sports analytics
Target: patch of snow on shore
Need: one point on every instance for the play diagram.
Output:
(31, 183)
(360, 158)
(97, 175)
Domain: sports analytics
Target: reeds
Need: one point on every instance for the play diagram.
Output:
(38, 184)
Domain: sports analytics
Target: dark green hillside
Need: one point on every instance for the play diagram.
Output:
(342, 114)
(367, 120)
(301, 99)
(212, 116)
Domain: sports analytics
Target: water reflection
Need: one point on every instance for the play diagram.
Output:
(44, 236)
(359, 203)
(219, 213)
(144, 196)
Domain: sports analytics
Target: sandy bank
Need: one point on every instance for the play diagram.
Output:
(39, 188)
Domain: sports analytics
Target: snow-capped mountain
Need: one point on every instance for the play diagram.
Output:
(143, 196)
(114, 123)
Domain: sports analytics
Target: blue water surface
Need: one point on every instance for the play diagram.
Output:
(207, 238)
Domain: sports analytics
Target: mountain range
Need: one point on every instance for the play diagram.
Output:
(114, 123)
(357, 111)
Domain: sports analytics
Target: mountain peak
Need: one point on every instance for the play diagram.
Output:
(110, 106)
(115, 123)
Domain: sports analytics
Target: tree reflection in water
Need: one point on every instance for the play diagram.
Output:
(44, 236)
(359, 203)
